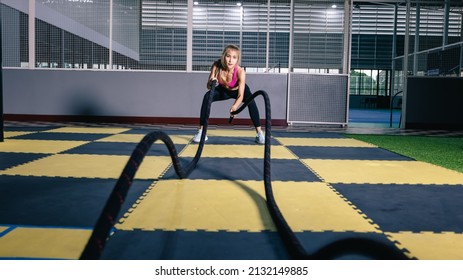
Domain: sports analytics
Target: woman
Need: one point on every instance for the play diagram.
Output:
(231, 79)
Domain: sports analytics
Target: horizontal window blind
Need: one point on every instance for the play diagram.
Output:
(318, 34)
(163, 38)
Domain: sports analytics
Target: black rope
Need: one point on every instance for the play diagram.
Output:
(106, 221)
(360, 246)
(292, 244)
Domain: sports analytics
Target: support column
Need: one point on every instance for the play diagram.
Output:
(405, 65)
(110, 34)
(445, 36)
(394, 49)
(347, 42)
(31, 24)
(416, 47)
(347, 36)
(267, 42)
(1, 80)
(189, 38)
(461, 50)
(291, 37)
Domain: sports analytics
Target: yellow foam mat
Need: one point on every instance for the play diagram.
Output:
(431, 246)
(44, 243)
(237, 151)
(383, 172)
(201, 205)
(9, 134)
(136, 138)
(232, 133)
(96, 130)
(214, 205)
(323, 142)
(38, 146)
(89, 166)
(314, 206)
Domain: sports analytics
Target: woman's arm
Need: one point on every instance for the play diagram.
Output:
(212, 75)
(241, 86)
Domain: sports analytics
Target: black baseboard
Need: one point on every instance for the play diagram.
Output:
(128, 119)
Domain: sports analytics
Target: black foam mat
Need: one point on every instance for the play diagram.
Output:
(8, 160)
(198, 245)
(361, 153)
(415, 208)
(118, 148)
(64, 202)
(246, 169)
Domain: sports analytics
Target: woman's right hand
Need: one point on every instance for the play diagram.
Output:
(209, 83)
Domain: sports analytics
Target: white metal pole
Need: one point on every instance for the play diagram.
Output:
(189, 38)
(394, 52)
(290, 58)
(267, 44)
(416, 47)
(291, 37)
(2, 136)
(241, 9)
(347, 49)
(405, 65)
(461, 50)
(110, 34)
(394, 61)
(31, 24)
(445, 36)
(347, 36)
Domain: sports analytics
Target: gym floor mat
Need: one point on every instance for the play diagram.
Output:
(56, 178)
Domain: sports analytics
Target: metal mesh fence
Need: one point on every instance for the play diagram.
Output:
(432, 45)
(153, 34)
(318, 99)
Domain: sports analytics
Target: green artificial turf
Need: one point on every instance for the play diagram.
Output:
(443, 151)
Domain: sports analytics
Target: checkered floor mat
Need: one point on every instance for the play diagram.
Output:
(55, 179)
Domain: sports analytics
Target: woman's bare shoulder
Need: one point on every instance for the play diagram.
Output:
(241, 70)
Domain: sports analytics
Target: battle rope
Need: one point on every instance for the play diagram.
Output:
(106, 221)
(349, 246)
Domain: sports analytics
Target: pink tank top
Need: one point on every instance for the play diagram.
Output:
(234, 80)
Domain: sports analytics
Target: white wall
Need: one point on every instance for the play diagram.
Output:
(126, 93)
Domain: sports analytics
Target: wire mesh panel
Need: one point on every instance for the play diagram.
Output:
(274, 35)
(67, 31)
(163, 35)
(215, 25)
(14, 37)
(431, 46)
(279, 27)
(317, 99)
(254, 35)
(259, 28)
(434, 40)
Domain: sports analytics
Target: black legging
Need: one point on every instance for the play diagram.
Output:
(221, 93)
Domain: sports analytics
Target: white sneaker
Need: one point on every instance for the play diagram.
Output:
(197, 137)
(260, 138)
